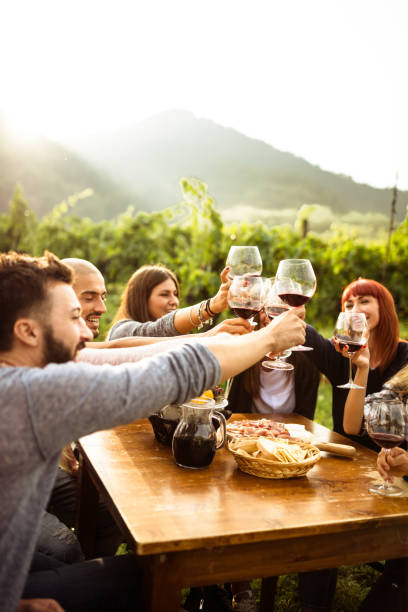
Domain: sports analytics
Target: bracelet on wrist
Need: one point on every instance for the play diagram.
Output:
(200, 316)
(190, 317)
(208, 308)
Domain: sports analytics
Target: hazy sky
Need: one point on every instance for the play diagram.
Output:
(324, 79)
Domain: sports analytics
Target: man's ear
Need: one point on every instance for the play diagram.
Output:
(27, 331)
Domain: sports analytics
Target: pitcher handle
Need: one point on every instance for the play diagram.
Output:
(221, 419)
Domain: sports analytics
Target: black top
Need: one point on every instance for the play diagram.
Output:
(336, 368)
(307, 380)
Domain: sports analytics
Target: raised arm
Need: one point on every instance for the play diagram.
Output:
(190, 317)
(125, 351)
(236, 326)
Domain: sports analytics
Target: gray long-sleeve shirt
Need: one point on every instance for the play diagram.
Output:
(43, 409)
(128, 327)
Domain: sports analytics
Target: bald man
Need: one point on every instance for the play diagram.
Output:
(89, 286)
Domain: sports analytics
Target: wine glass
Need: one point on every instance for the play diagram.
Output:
(352, 331)
(386, 424)
(244, 261)
(296, 284)
(273, 307)
(246, 295)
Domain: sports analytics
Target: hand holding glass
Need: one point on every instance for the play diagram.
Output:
(351, 330)
(273, 307)
(386, 424)
(295, 285)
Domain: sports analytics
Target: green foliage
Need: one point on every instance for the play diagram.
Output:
(18, 227)
(191, 239)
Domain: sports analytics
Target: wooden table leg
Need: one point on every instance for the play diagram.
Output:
(405, 584)
(268, 591)
(160, 590)
(87, 502)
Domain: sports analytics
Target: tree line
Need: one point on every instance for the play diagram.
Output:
(191, 239)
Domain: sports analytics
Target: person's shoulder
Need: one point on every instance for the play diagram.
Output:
(402, 349)
(117, 326)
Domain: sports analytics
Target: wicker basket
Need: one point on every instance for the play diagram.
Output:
(268, 468)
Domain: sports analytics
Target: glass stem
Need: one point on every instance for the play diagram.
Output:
(350, 372)
(386, 483)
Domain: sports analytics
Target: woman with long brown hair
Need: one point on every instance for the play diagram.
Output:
(149, 307)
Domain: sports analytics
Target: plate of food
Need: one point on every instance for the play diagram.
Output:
(249, 428)
(295, 432)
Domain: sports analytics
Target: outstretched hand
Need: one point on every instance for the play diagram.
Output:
(286, 330)
(236, 326)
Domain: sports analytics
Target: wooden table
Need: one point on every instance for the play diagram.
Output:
(196, 527)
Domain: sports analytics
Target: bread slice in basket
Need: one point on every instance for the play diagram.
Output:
(274, 457)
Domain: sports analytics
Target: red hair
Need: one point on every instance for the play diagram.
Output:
(387, 330)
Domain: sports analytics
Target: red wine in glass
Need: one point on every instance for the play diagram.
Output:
(275, 310)
(295, 285)
(351, 330)
(386, 440)
(246, 313)
(352, 346)
(294, 299)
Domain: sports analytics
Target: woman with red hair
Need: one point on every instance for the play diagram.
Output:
(384, 355)
(383, 348)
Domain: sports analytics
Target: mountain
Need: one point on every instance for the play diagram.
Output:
(49, 173)
(149, 159)
(142, 165)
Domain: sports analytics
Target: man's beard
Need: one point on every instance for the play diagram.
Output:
(55, 351)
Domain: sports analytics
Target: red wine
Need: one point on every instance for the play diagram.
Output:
(386, 440)
(294, 299)
(245, 313)
(352, 346)
(193, 451)
(275, 311)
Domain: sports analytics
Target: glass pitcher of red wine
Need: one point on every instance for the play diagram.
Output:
(386, 424)
(195, 438)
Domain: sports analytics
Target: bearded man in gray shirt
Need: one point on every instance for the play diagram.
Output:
(46, 402)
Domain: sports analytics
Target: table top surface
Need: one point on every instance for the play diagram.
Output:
(167, 508)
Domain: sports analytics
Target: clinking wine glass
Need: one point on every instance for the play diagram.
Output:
(247, 294)
(273, 307)
(244, 261)
(386, 424)
(296, 285)
(351, 330)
